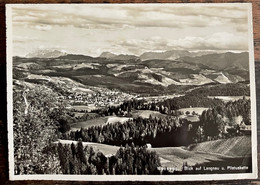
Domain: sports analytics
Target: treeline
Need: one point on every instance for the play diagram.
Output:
(158, 132)
(195, 98)
(125, 108)
(230, 89)
(168, 106)
(140, 131)
(76, 159)
(169, 131)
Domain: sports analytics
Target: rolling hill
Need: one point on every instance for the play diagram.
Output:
(158, 74)
(234, 63)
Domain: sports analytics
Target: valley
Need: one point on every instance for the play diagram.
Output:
(180, 108)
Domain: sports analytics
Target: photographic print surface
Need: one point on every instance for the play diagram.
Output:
(131, 92)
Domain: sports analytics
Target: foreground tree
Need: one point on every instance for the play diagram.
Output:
(36, 115)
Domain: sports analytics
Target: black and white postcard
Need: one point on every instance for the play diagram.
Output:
(139, 92)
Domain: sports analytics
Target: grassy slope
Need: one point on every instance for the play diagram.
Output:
(218, 150)
(234, 147)
(175, 157)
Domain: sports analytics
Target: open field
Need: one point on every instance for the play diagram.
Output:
(197, 110)
(107, 150)
(191, 118)
(89, 123)
(229, 98)
(79, 114)
(115, 119)
(84, 107)
(98, 121)
(147, 113)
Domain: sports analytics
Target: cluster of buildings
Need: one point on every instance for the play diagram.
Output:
(98, 98)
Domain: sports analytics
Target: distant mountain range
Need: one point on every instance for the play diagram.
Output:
(109, 55)
(202, 56)
(170, 55)
(45, 53)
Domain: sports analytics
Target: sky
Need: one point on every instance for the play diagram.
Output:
(91, 29)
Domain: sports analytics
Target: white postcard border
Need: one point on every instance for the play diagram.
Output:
(193, 177)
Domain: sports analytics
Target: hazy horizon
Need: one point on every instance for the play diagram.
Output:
(133, 29)
(194, 51)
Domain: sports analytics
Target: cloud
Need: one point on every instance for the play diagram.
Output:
(219, 41)
(216, 41)
(132, 28)
(43, 27)
(117, 16)
(24, 39)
